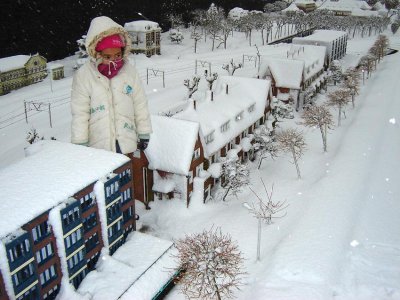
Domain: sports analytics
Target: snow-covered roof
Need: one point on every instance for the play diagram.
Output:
(141, 25)
(172, 144)
(304, 1)
(344, 5)
(286, 72)
(130, 273)
(236, 13)
(325, 35)
(13, 62)
(234, 107)
(292, 7)
(51, 173)
(285, 60)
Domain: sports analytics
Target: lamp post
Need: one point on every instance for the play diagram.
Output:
(250, 209)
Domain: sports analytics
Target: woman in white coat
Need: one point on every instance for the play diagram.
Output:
(108, 104)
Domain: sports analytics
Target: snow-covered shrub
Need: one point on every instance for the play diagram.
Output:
(176, 36)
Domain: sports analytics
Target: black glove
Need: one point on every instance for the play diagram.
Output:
(142, 144)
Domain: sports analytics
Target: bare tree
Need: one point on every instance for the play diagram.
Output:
(352, 82)
(235, 176)
(212, 263)
(319, 116)
(176, 21)
(192, 85)
(339, 98)
(215, 16)
(196, 37)
(231, 67)
(292, 140)
(210, 78)
(267, 210)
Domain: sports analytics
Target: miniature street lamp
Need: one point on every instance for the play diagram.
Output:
(249, 208)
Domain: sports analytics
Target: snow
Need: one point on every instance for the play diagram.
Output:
(340, 238)
(211, 115)
(172, 144)
(126, 274)
(292, 7)
(13, 62)
(353, 6)
(289, 62)
(141, 25)
(51, 173)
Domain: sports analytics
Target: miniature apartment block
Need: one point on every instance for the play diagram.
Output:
(61, 206)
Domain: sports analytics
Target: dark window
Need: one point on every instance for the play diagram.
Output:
(89, 222)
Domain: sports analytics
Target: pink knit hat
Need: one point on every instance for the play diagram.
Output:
(111, 41)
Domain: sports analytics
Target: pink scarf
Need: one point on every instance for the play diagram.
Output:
(111, 69)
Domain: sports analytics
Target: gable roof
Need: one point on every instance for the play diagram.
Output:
(172, 144)
(13, 62)
(286, 72)
(243, 93)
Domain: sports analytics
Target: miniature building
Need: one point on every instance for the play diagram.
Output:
(334, 41)
(185, 147)
(348, 7)
(65, 203)
(56, 71)
(292, 69)
(21, 70)
(145, 37)
(305, 5)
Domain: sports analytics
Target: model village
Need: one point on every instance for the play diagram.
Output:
(53, 238)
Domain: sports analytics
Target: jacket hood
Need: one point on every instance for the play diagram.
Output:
(101, 27)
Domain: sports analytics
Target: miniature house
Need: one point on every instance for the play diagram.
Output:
(145, 36)
(185, 149)
(21, 70)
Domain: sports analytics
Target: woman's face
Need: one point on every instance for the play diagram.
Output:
(111, 54)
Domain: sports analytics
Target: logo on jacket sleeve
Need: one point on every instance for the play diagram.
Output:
(128, 89)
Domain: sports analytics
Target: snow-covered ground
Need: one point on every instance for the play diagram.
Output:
(340, 238)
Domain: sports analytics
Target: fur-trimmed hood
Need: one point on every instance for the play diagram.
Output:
(101, 27)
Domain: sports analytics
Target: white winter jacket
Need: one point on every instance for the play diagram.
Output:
(106, 110)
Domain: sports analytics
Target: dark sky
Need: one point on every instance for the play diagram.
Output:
(51, 27)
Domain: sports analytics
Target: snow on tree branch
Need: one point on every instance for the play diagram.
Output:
(292, 140)
(192, 85)
(231, 67)
(319, 116)
(266, 210)
(235, 176)
(265, 144)
(339, 98)
(212, 263)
